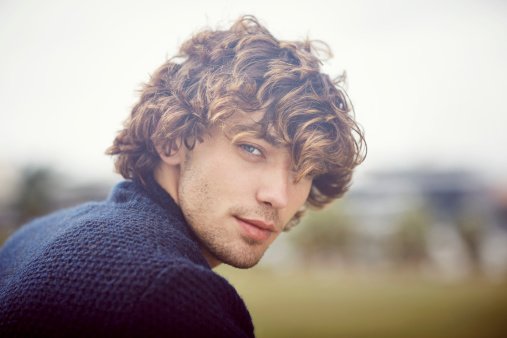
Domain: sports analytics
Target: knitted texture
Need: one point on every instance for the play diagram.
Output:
(127, 266)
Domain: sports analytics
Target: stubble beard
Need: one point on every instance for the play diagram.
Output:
(196, 202)
(243, 255)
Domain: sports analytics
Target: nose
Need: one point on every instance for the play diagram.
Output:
(273, 189)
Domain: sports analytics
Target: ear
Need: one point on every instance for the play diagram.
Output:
(172, 156)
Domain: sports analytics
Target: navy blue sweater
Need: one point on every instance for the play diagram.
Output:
(127, 266)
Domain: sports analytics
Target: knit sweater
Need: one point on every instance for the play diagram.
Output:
(127, 266)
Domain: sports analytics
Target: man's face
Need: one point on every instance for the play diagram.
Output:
(238, 196)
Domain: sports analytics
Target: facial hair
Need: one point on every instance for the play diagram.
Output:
(199, 199)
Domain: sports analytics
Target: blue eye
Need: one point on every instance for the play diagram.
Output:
(251, 149)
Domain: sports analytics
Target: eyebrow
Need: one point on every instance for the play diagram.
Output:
(268, 137)
(272, 140)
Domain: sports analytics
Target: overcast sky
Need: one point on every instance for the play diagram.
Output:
(428, 79)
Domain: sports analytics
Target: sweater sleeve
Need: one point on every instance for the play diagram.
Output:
(186, 300)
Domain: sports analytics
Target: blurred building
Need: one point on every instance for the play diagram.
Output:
(447, 222)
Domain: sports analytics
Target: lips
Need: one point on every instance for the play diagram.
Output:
(256, 230)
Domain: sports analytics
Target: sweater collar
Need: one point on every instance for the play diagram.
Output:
(165, 201)
(162, 197)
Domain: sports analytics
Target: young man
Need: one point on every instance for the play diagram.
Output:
(228, 144)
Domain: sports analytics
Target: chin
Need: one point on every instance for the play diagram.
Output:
(243, 265)
(240, 261)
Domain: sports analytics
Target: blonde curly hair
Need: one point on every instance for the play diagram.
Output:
(219, 73)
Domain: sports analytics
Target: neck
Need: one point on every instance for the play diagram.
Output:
(213, 262)
(167, 177)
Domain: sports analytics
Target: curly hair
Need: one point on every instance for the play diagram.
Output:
(219, 73)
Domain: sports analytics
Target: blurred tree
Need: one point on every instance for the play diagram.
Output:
(471, 227)
(35, 195)
(408, 245)
(324, 235)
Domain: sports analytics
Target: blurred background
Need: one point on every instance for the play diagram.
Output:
(418, 248)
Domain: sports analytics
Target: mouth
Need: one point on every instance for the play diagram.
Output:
(257, 230)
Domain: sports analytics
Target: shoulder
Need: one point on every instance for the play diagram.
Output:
(184, 276)
(32, 238)
(194, 300)
(163, 297)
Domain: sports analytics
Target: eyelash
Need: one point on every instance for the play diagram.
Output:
(250, 149)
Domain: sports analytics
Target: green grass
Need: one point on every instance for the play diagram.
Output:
(324, 303)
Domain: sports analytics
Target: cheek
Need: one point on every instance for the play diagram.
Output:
(194, 192)
(235, 180)
(216, 185)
